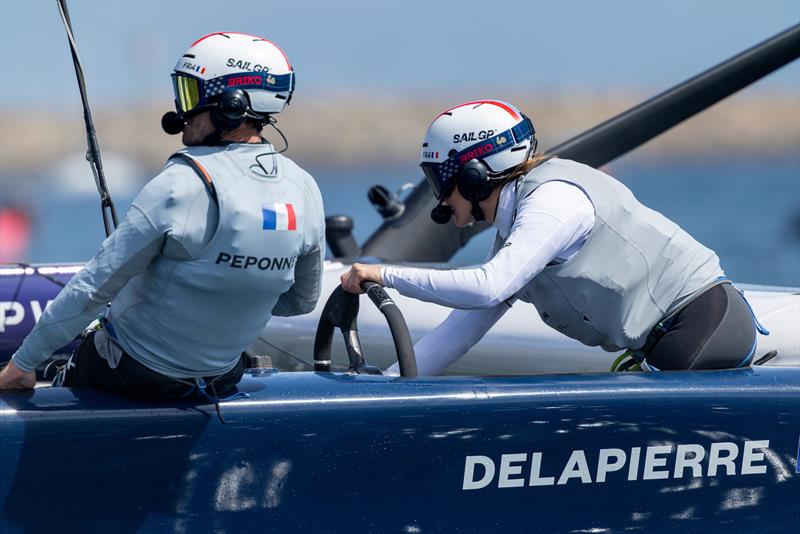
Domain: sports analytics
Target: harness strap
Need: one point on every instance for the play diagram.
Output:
(760, 327)
(202, 388)
(201, 172)
(106, 324)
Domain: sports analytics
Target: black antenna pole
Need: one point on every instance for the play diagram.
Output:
(414, 237)
(93, 152)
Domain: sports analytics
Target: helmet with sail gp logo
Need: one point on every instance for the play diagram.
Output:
(218, 65)
(472, 146)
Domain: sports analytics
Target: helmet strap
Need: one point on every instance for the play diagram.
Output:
(477, 212)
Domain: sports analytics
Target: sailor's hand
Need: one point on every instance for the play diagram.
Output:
(12, 377)
(351, 280)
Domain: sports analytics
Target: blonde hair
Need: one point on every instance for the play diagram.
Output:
(533, 161)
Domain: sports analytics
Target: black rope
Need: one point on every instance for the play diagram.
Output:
(93, 152)
(35, 271)
(216, 401)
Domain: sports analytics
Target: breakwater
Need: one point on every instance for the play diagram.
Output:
(347, 129)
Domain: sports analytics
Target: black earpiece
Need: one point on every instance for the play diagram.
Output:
(472, 181)
(231, 110)
(441, 214)
(172, 123)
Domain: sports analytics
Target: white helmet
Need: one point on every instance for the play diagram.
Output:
(490, 136)
(230, 60)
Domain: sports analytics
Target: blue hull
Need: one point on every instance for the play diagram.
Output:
(23, 297)
(320, 452)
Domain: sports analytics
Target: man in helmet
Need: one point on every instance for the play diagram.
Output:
(599, 266)
(228, 234)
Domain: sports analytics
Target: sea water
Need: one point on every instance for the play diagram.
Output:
(747, 210)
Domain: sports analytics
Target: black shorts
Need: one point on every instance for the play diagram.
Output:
(717, 330)
(87, 369)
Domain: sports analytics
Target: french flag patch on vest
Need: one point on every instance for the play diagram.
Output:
(278, 216)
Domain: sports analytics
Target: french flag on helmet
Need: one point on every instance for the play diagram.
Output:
(493, 131)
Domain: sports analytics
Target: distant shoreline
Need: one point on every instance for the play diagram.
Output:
(347, 130)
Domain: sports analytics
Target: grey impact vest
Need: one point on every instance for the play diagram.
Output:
(635, 266)
(193, 317)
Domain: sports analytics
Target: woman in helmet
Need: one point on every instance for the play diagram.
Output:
(228, 234)
(599, 266)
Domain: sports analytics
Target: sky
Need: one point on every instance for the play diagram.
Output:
(128, 48)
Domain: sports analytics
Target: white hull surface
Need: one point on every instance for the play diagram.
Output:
(520, 343)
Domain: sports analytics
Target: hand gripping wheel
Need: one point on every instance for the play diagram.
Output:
(341, 311)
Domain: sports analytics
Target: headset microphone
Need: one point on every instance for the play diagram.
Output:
(172, 123)
(441, 214)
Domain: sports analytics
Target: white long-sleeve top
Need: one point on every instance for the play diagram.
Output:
(551, 225)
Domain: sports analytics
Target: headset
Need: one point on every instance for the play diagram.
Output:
(473, 181)
(231, 110)
(476, 182)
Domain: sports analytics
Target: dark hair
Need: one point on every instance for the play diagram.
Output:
(257, 124)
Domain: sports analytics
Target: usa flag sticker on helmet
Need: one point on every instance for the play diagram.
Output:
(278, 216)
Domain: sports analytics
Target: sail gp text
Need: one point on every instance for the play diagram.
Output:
(649, 463)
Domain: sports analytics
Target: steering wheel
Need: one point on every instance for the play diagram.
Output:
(341, 311)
